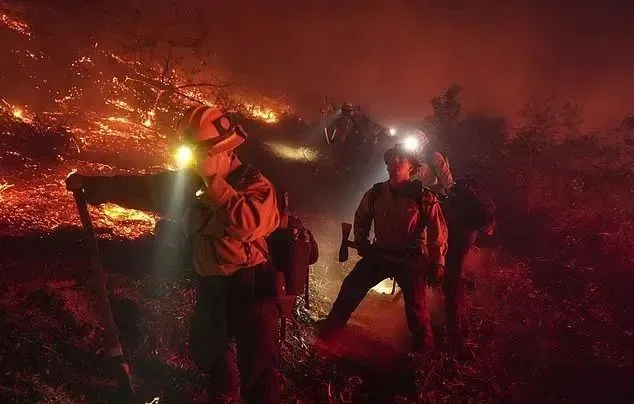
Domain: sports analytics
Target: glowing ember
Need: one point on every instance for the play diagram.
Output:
(121, 104)
(17, 113)
(15, 25)
(120, 214)
(3, 187)
(384, 287)
(292, 153)
(117, 119)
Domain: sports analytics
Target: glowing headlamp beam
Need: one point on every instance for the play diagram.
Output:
(411, 143)
(184, 156)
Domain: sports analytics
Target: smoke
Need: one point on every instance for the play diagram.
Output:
(392, 56)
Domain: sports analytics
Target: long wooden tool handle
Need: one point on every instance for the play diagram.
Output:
(112, 345)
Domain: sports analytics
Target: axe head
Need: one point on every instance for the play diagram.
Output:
(346, 228)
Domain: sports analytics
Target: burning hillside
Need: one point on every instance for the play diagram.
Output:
(115, 116)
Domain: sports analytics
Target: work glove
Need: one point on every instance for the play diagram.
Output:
(78, 182)
(435, 274)
(74, 182)
(364, 249)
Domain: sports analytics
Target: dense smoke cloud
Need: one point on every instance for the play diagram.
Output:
(393, 56)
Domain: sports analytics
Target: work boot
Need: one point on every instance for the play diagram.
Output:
(455, 331)
(422, 342)
(327, 339)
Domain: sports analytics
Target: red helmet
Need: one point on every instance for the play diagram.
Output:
(210, 128)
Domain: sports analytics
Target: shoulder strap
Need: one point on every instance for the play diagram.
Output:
(261, 249)
(420, 191)
(375, 191)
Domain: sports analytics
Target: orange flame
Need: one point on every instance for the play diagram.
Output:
(264, 114)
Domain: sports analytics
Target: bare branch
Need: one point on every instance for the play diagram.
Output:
(225, 85)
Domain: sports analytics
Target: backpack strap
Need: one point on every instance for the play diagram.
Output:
(417, 193)
(375, 191)
(420, 191)
(261, 249)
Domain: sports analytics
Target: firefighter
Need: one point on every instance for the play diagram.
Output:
(410, 245)
(461, 240)
(343, 140)
(434, 172)
(469, 211)
(229, 209)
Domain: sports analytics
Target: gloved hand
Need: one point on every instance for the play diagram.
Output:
(364, 249)
(74, 182)
(77, 182)
(435, 274)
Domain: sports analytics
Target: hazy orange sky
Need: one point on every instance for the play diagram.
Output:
(392, 56)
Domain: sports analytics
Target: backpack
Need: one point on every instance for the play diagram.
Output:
(292, 250)
(470, 203)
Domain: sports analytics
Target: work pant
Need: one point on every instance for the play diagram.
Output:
(460, 241)
(367, 273)
(241, 306)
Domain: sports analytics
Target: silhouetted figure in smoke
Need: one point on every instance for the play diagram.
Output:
(345, 139)
(469, 210)
(367, 138)
(410, 245)
(434, 172)
(327, 117)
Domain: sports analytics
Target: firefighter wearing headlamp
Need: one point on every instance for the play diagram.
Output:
(410, 245)
(229, 209)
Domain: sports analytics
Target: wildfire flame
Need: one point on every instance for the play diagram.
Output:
(264, 114)
(15, 111)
